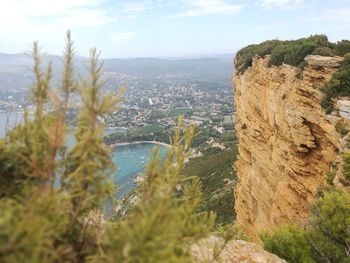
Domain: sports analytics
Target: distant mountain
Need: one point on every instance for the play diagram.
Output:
(16, 76)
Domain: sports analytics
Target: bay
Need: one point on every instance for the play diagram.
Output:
(130, 159)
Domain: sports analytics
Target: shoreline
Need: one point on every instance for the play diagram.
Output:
(113, 145)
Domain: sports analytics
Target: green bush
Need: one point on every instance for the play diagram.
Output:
(290, 243)
(341, 129)
(278, 55)
(291, 53)
(338, 86)
(342, 47)
(346, 165)
(296, 53)
(325, 238)
(323, 51)
(330, 177)
(329, 230)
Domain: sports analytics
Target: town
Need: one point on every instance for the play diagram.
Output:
(152, 104)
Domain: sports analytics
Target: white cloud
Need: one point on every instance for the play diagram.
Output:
(278, 3)
(18, 13)
(47, 20)
(210, 7)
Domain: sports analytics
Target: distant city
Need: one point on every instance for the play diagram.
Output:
(157, 91)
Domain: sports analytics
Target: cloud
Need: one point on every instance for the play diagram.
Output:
(74, 13)
(279, 3)
(209, 7)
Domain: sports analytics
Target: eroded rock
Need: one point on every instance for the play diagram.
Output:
(322, 61)
(286, 142)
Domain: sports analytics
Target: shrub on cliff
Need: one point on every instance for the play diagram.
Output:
(290, 243)
(342, 48)
(244, 57)
(323, 51)
(346, 165)
(338, 86)
(325, 238)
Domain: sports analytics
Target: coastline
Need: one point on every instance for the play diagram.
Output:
(113, 145)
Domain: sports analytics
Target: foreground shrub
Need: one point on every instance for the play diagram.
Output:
(53, 197)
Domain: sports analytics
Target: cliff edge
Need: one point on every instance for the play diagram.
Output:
(286, 141)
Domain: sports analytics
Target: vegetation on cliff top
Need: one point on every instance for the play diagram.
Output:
(325, 238)
(338, 86)
(291, 52)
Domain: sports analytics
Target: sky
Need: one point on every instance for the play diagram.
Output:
(166, 28)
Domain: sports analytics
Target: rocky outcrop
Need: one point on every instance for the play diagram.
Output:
(321, 61)
(343, 107)
(286, 142)
(214, 249)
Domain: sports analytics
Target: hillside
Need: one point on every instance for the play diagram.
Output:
(15, 74)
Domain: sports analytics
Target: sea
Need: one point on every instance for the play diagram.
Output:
(130, 159)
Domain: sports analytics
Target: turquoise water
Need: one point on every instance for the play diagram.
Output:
(131, 160)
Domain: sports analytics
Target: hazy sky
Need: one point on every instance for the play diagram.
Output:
(161, 28)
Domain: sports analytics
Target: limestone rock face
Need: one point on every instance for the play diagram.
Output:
(286, 142)
(321, 61)
(214, 249)
(343, 106)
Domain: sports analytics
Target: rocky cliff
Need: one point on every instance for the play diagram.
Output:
(286, 142)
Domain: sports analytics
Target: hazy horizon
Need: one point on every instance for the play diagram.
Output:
(188, 57)
(162, 29)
